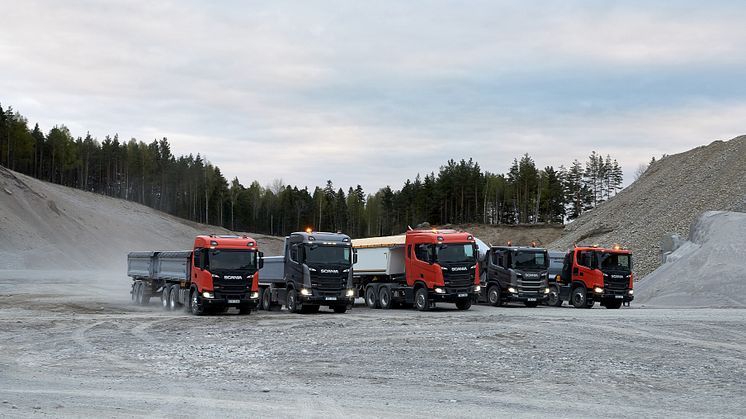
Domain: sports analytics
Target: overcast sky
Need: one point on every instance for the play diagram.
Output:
(373, 92)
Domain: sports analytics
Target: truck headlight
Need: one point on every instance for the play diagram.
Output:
(546, 290)
(598, 290)
(511, 290)
(631, 292)
(440, 291)
(477, 288)
(254, 295)
(208, 294)
(350, 293)
(305, 292)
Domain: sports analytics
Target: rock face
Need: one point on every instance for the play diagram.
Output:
(671, 193)
(45, 226)
(708, 270)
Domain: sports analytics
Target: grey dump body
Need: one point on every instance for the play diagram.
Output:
(516, 281)
(166, 266)
(316, 267)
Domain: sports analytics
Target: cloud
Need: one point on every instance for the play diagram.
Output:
(375, 92)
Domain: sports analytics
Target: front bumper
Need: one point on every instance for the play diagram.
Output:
(327, 298)
(524, 297)
(232, 300)
(623, 296)
(452, 295)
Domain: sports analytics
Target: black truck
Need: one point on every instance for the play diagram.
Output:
(515, 273)
(315, 270)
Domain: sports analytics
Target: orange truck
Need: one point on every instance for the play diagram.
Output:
(418, 268)
(593, 274)
(221, 271)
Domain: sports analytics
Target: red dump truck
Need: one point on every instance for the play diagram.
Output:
(418, 268)
(219, 272)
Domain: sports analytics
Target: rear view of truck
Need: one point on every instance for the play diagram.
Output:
(218, 273)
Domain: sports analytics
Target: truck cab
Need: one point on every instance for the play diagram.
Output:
(515, 273)
(591, 274)
(316, 271)
(224, 273)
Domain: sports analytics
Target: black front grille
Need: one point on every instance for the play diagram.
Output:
(458, 279)
(328, 282)
(617, 284)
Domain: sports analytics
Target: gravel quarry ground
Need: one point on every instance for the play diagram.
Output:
(91, 353)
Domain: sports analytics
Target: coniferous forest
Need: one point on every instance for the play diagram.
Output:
(192, 188)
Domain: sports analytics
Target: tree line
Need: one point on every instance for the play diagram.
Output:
(191, 187)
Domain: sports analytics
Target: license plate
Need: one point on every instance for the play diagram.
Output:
(619, 297)
(331, 298)
(463, 295)
(531, 299)
(234, 301)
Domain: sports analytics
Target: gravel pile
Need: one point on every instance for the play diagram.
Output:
(664, 201)
(708, 270)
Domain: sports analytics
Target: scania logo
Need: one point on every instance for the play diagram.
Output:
(459, 268)
(232, 277)
(532, 275)
(617, 276)
(329, 271)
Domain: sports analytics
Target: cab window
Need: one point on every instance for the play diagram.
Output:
(421, 251)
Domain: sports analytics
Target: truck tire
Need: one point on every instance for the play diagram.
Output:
(165, 296)
(579, 297)
(421, 302)
(292, 301)
(144, 294)
(139, 300)
(613, 305)
(266, 299)
(340, 309)
(173, 298)
(371, 299)
(493, 296)
(463, 304)
(554, 299)
(195, 307)
(384, 297)
(531, 303)
(136, 293)
(133, 291)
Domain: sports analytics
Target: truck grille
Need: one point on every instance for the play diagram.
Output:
(458, 280)
(616, 284)
(328, 282)
(531, 285)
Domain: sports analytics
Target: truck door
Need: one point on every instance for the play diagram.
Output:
(496, 257)
(583, 271)
(293, 262)
(420, 267)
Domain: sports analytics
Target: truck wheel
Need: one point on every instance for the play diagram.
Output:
(421, 302)
(531, 303)
(195, 306)
(145, 294)
(554, 299)
(266, 300)
(292, 301)
(340, 309)
(140, 299)
(384, 298)
(371, 299)
(463, 304)
(137, 293)
(579, 297)
(133, 292)
(165, 297)
(613, 305)
(173, 298)
(493, 296)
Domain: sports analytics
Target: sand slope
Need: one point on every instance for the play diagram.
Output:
(50, 227)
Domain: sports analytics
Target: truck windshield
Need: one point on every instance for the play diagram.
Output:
(332, 255)
(455, 253)
(529, 260)
(232, 260)
(615, 261)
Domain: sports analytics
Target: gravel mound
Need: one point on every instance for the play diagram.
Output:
(45, 226)
(671, 193)
(708, 270)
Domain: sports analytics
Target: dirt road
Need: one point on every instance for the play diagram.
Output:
(84, 355)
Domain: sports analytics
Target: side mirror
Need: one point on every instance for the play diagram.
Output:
(301, 254)
(260, 262)
(354, 256)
